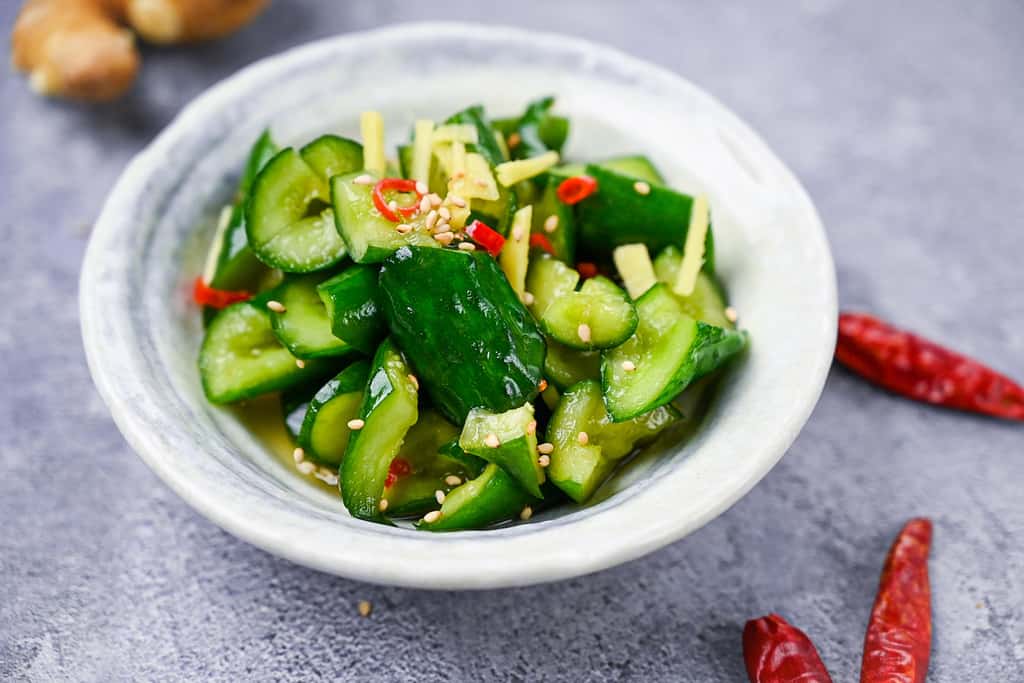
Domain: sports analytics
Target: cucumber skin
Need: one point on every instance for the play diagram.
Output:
(517, 455)
(353, 306)
(458, 320)
(350, 380)
(280, 322)
(331, 155)
(499, 498)
(569, 337)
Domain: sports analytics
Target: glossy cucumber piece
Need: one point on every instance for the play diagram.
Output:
(707, 302)
(324, 434)
(486, 145)
(369, 236)
(552, 129)
(578, 468)
(564, 366)
(463, 329)
(492, 497)
(548, 279)
(428, 466)
(563, 237)
(473, 464)
(617, 214)
(351, 299)
(304, 326)
(388, 410)
(241, 357)
(331, 155)
(528, 127)
(635, 166)
(499, 213)
(507, 440)
(668, 351)
(288, 222)
(598, 316)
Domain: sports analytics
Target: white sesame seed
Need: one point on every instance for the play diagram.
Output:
(326, 476)
(403, 228)
(421, 187)
(393, 205)
(492, 441)
(445, 237)
(276, 306)
(299, 363)
(641, 187)
(435, 199)
(306, 467)
(528, 298)
(442, 227)
(432, 516)
(551, 223)
(415, 380)
(531, 427)
(457, 201)
(444, 213)
(452, 480)
(439, 496)
(628, 365)
(383, 504)
(545, 448)
(431, 219)
(363, 180)
(731, 315)
(356, 424)
(583, 332)
(518, 233)
(544, 460)
(482, 184)
(583, 438)
(424, 205)
(364, 607)
(298, 455)
(526, 513)
(467, 246)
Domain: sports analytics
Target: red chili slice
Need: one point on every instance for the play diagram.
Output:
(542, 242)
(395, 185)
(399, 468)
(586, 269)
(577, 188)
(486, 237)
(205, 295)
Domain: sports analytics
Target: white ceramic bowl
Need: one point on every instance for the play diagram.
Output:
(142, 333)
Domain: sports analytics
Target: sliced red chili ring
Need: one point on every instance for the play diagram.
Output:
(205, 295)
(399, 468)
(542, 242)
(488, 238)
(575, 189)
(395, 185)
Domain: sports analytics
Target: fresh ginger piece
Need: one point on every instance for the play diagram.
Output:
(184, 21)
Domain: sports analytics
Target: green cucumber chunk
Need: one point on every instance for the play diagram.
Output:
(331, 155)
(528, 128)
(324, 434)
(636, 166)
(388, 411)
(548, 280)
(579, 469)
(668, 351)
(563, 237)
(552, 129)
(463, 329)
(241, 357)
(486, 146)
(598, 316)
(370, 238)
(492, 497)
(351, 300)
(565, 367)
(304, 326)
(288, 224)
(707, 301)
(507, 440)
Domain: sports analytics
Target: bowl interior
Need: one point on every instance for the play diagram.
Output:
(142, 333)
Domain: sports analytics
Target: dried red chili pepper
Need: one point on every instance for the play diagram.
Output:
(912, 366)
(898, 640)
(486, 237)
(399, 468)
(395, 185)
(775, 651)
(586, 269)
(205, 295)
(541, 241)
(575, 189)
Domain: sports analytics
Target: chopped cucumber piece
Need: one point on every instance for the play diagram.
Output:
(548, 280)
(325, 433)
(492, 497)
(353, 308)
(303, 326)
(331, 155)
(507, 440)
(555, 220)
(707, 303)
(637, 167)
(485, 144)
(428, 465)
(668, 351)
(515, 255)
(565, 366)
(598, 316)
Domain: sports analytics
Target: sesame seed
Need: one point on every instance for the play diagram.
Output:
(628, 365)
(528, 298)
(545, 448)
(583, 438)
(432, 516)
(421, 187)
(526, 513)
(543, 385)
(299, 363)
(393, 205)
(492, 441)
(467, 246)
(518, 233)
(459, 175)
(364, 607)
(452, 480)
(435, 199)
(383, 504)
(298, 455)
(457, 201)
(415, 381)
(364, 179)
(276, 306)
(441, 227)
(439, 496)
(306, 467)
(424, 205)
(531, 427)
(731, 315)
(444, 213)
(445, 237)
(403, 228)
(356, 424)
(641, 187)
(583, 332)
(482, 184)
(551, 223)
(326, 476)
(513, 140)
(431, 219)
(544, 460)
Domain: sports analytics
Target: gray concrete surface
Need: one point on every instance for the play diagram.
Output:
(905, 125)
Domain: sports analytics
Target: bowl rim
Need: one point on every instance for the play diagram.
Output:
(537, 561)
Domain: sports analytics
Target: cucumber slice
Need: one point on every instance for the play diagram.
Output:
(707, 303)
(552, 129)
(279, 227)
(241, 357)
(353, 307)
(548, 280)
(324, 434)
(599, 316)
(637, 167)
(331, 155)
(492, 497)
(473, 465)
(669, 351)
(304, 326)
(580, 468)
(565, 367)
(369, 236)
(506, 440)
(388, 411)
(563, 237)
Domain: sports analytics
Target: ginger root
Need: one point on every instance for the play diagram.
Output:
(81, 49)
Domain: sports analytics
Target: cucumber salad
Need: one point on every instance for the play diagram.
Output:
(471, 331)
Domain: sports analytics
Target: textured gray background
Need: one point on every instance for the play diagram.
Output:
(905, 125)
